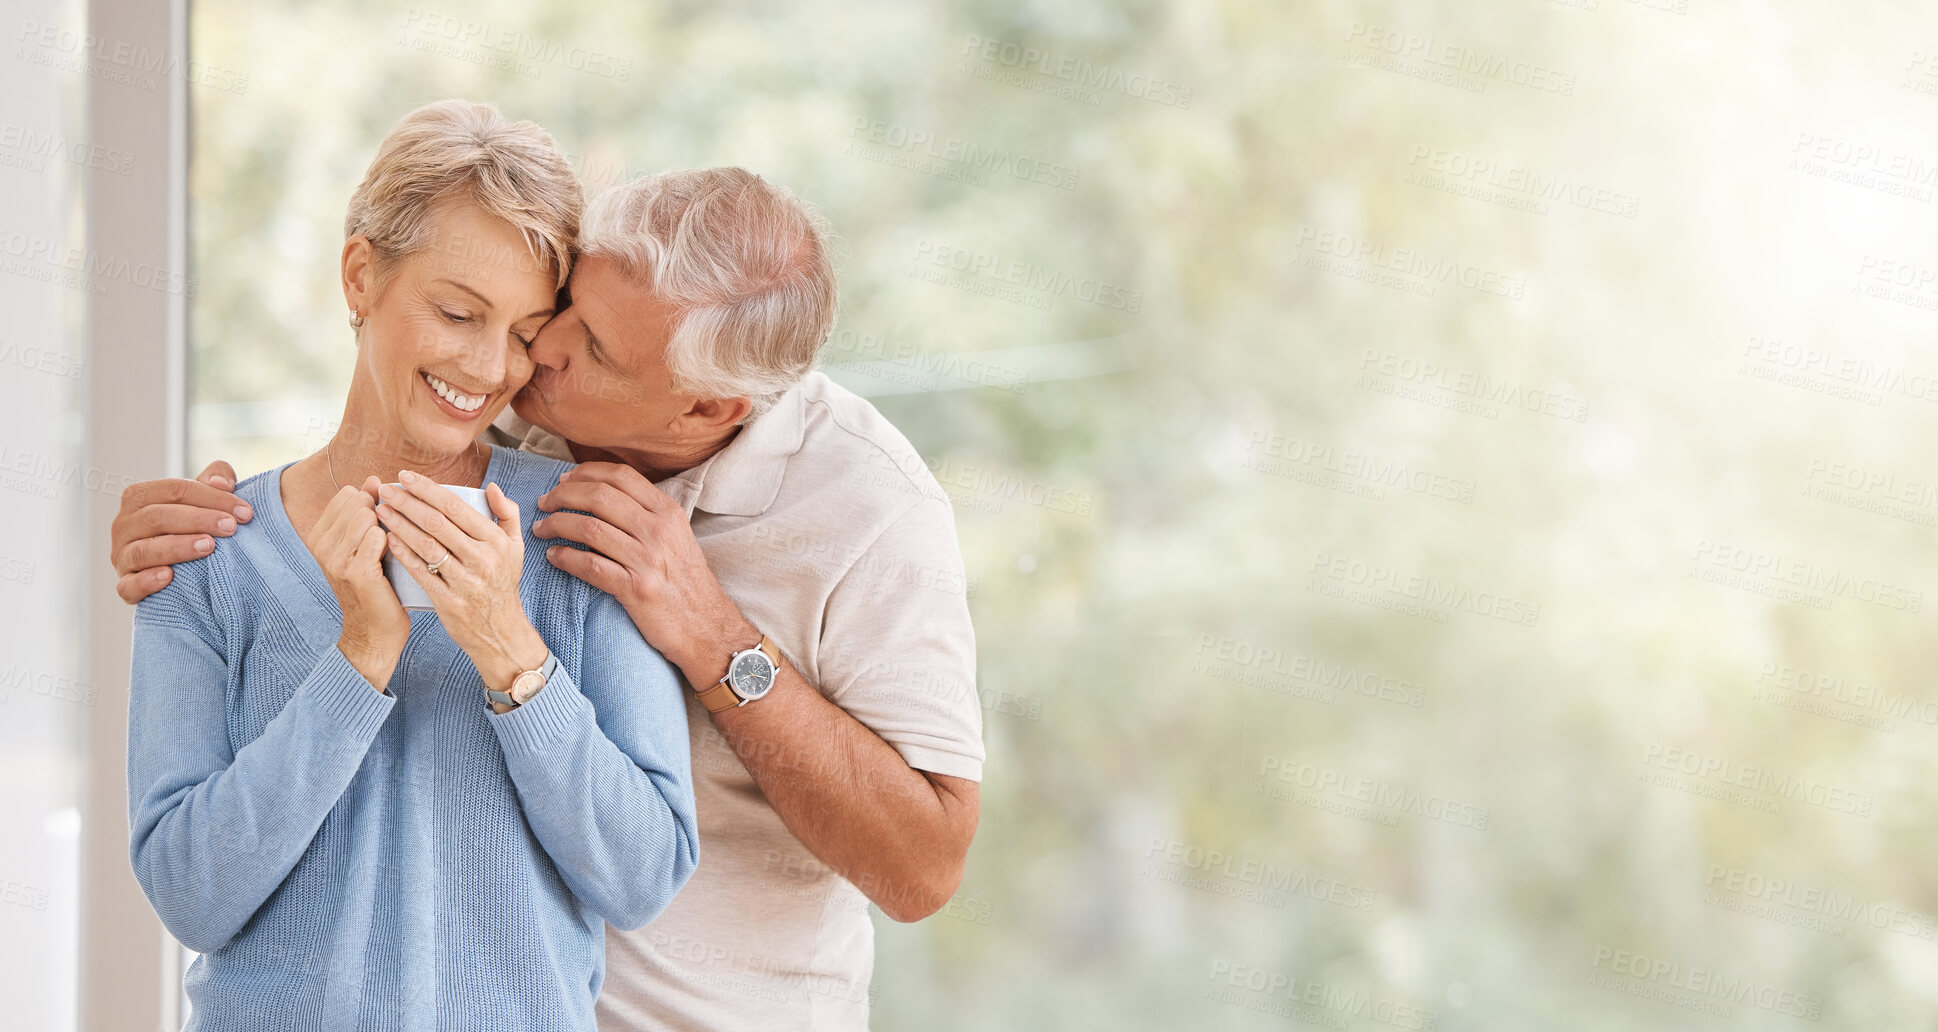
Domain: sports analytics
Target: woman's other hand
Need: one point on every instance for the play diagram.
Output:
(349, 546)
(475, 588)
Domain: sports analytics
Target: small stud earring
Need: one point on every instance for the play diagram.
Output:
(356, 319)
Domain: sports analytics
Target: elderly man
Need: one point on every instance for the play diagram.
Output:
(777, 540)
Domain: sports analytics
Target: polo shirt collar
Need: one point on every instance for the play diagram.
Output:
(743, 478)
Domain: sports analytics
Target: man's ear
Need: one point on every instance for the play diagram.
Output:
(709, 416)
(359, 273)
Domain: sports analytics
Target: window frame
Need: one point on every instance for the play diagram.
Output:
(136, 338)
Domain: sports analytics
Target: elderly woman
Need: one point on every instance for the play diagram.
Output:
(369, 818)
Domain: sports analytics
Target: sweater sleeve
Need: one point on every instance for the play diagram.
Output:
(603, 772)
(215, 830)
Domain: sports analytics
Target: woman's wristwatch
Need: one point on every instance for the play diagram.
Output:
(750, 676)
(525, 685)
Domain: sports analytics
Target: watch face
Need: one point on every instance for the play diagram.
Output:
(752, 675)
(526, 686)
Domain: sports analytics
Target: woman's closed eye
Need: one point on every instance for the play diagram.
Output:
(456, 317)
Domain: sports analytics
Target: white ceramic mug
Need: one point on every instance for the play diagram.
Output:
(409, 592)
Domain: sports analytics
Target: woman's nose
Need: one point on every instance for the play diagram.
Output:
(487, 363)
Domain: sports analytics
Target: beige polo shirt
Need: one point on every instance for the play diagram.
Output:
(826, 527)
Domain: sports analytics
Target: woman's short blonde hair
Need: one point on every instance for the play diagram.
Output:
(462, 150)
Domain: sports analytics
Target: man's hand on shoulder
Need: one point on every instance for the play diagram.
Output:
(162, 522)
(643, 554)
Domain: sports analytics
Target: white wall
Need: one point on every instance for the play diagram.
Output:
(45, 691)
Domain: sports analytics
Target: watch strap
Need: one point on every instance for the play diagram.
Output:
(719, 697)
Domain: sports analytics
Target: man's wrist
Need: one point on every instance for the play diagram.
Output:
(704, 651)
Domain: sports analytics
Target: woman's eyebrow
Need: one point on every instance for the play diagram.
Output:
(468, 290)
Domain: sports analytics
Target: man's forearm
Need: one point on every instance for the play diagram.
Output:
(898, 834)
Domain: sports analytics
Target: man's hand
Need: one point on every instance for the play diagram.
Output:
(171, 521)
(645, 556)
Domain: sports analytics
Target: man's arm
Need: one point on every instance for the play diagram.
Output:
(163, 522)
(899, 834)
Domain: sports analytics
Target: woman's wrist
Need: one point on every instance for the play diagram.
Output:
(374, 667)
(500, 662)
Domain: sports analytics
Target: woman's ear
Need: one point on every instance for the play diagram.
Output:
(359, 275)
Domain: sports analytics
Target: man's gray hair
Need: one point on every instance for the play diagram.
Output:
(744, 260)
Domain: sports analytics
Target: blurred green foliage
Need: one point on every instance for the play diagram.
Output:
(1366, 548)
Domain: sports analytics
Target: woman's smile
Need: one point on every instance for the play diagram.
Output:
(456, 403)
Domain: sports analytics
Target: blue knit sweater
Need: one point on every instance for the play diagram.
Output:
(345, 859)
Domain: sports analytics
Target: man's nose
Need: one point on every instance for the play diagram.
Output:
(548, 348)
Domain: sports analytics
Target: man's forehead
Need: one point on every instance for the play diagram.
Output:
(624, 314)
(608, 280)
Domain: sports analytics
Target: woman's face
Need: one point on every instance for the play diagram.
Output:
(444, 337)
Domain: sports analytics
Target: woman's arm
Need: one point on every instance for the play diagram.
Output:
(214, 832)
(604, 774)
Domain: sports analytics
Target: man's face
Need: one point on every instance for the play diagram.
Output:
(601, 378)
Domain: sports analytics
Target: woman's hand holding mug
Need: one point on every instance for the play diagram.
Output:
(475, 586)
(349, 547)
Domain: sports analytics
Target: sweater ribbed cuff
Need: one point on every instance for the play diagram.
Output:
(552, 715)
(341, 694)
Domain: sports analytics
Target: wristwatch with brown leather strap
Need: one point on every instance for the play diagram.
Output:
(750, 676)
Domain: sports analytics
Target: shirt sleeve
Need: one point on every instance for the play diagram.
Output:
(214, 831)
(603, 772)
(897, 651)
